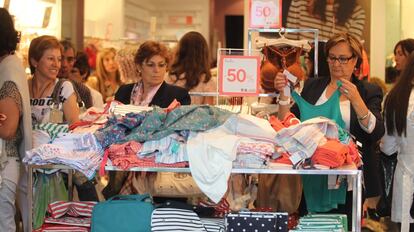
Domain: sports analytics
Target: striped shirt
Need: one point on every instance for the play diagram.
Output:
(299, 17)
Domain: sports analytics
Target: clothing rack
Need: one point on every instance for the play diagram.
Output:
(289, 30)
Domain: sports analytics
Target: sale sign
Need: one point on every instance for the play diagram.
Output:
(239, 75)
(265, 14)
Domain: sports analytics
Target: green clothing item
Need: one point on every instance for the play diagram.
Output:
(158, 124)
(330, 109)
(318, 197)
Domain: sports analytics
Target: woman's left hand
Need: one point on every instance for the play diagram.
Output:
(350, 91)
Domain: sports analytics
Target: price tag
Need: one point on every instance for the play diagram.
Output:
(239, 75)
(265, 13)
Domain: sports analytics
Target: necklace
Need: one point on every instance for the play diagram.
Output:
(36, 96)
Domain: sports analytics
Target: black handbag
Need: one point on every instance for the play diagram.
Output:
(387, 165)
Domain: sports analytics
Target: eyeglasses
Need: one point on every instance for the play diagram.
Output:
(152, 65)
(341, 59)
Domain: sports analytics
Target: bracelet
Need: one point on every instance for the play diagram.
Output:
(364, 117)
(284, 102)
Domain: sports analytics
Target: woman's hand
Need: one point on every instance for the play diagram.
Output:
(280, 81)
(350, 91)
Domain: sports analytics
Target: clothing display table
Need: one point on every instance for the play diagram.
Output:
(350, 171)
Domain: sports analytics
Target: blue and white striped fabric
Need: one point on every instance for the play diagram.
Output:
(214, 224)
(171, 219)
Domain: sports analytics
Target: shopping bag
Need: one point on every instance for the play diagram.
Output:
(123, 213)
(387, 168)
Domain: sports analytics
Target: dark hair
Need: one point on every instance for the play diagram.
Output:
(82, 64)
(149, 49)
(352, 41)
(9, 36)
(192, 59)
(396, 103)
(66, 44)
(323, 67)
(39, 45)
(407, 46)
(342, 13)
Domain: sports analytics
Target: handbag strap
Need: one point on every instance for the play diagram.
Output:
(56, 91)
(135, 197)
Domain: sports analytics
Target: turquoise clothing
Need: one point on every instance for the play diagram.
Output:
(330, 109)
(318, 197)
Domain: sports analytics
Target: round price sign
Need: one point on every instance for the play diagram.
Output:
(239, 75)
(265, 13)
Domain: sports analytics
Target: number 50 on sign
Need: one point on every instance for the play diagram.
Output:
(239, 75)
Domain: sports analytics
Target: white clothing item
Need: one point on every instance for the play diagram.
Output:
(97, 99)
(403, 177)
(41, 107)
(246, 125)
(40, 137)
(212, 153)
(7, 206)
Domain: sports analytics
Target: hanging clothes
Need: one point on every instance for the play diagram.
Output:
(278, 59)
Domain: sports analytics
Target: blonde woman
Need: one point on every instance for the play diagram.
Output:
(107, 78)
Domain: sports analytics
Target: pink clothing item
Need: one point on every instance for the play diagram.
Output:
(173, 105)
(289, 120)
(332, 154)
(263, 150)
(58, 209)
(124, 156)
(353, 155)
(137, 94)
(59, 228)
(70, 221)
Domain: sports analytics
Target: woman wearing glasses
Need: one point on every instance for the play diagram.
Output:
(359, 102)
(152, 61)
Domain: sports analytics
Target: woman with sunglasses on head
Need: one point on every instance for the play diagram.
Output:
(151, 60)
(359, 109)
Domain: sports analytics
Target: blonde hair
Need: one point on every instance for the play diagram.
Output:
(101, 73)
(352, 41)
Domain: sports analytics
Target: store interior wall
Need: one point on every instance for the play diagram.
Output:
(223, 8)
(72, 22)
(141, 20)
(206, 16)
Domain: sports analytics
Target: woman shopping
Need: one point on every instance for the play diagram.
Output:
(191, 67)
(151, 60)
(353, 104)
(108, 77)
(45, 54)
(399, 121)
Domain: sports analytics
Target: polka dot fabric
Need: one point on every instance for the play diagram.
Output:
(257, 222)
